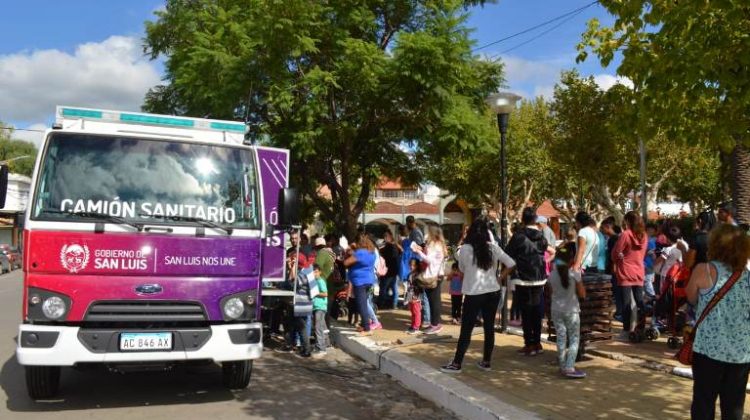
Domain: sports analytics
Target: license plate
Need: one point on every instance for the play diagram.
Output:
(145, 341)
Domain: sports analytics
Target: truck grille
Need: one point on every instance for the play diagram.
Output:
(145, 314)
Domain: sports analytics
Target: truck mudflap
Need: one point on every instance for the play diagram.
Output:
(46, 345)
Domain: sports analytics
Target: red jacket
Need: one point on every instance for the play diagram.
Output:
(627, 256)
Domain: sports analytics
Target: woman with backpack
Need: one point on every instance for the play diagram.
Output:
(479, 261)
(527, 247)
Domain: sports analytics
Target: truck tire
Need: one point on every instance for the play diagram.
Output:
(42, 382)
(236, 375)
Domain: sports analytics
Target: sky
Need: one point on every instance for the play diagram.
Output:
(90, 53)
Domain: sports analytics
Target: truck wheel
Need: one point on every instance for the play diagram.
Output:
(236, 375)
(42, 382)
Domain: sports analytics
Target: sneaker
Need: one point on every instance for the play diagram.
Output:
(304, 354)
(539, 349)
(485, 366)
(434, 329)
(317, 354)
(284, 349)
(376, 326)
(525, 350)
(412, 331)
(573, 374)
(451, 368)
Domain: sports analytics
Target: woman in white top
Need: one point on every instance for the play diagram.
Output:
(479, 260)
(434, 254)
(587, 249)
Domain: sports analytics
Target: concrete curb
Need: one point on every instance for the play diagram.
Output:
(427, 381)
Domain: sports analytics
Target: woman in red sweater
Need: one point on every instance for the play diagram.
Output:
(627, 257)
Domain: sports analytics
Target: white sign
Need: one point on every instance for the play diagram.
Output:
(127, 209)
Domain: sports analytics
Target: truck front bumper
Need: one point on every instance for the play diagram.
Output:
(45, 345)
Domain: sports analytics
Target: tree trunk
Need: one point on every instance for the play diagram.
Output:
(741, 182)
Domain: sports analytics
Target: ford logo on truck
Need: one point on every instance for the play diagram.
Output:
(148, 289)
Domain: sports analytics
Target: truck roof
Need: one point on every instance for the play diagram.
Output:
(101, 121)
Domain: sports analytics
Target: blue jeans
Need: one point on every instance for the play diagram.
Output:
(425, 309)
(297, 335)
(362, 299)
(568, 328)
(388, 284)
(371, 307)
(648, 285)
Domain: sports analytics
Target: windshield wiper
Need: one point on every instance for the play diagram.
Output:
(99, 216)
(202, 222)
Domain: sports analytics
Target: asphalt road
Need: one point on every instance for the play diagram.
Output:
(283, 387)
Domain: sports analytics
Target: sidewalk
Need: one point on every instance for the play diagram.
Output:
(620, 388)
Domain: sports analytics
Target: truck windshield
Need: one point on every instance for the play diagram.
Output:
(145, 181)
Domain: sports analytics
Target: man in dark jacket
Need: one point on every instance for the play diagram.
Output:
(527, 247)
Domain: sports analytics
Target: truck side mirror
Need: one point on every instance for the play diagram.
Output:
(3, 185)
(288, 207)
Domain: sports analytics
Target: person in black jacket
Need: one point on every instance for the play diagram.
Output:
(527, 247)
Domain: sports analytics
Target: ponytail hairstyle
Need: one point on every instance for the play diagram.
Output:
(479, 239)
(565, 257)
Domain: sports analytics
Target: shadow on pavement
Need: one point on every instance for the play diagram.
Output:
(99, 388)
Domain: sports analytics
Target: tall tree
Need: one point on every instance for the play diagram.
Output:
(475, 176)
(589, 151)
(344, 85)
(689, 62)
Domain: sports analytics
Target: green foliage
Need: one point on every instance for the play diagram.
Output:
(342, 84)
(596, 150)
(475, 176)
(689, 61)
(10, 149)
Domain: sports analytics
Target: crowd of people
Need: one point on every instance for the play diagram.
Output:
(642, 259)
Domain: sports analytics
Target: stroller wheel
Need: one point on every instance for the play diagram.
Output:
(673, 343)
(652, 334)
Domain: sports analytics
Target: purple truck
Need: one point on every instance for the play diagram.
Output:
(146, 243)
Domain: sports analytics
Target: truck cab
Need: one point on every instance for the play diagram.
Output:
(145, 243)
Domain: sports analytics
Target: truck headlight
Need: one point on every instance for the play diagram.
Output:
(234, 308)
(54, 307)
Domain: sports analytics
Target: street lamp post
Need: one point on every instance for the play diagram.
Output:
(502, 104)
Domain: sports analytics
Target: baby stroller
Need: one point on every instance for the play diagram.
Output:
(670, 304)
(676, 304)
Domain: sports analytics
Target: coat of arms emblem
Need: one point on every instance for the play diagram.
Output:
(74, 257)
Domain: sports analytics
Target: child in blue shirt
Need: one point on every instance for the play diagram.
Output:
(456, 294)
(320, 308)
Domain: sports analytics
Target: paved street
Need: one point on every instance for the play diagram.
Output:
(283, 386)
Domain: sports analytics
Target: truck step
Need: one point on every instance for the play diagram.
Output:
(276, 292)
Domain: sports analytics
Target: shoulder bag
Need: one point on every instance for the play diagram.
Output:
(685, 355)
